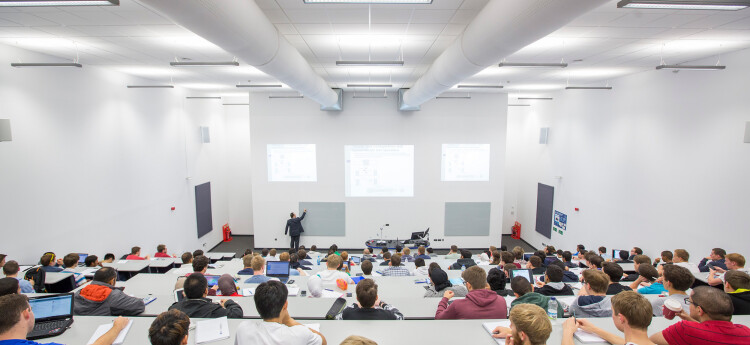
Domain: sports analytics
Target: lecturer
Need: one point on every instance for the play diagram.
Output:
(294, 228)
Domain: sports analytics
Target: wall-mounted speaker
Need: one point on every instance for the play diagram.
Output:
(544, 136)
(205, 135)
(747, 132)
(5, 130)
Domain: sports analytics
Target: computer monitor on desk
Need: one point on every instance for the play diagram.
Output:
(526, 273)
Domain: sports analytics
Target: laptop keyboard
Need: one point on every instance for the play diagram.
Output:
(49, 328)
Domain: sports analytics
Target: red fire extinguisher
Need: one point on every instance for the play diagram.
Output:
(227, 233)
(515, 231)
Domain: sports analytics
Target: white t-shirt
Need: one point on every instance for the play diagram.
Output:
(272, 258)
(330, 276)
(689, 265)
(271, 333)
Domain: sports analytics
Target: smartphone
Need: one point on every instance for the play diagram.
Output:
(290, 282)
(348, 294)
(303, 293)
(360, 274)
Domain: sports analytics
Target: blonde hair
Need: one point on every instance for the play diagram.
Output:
(533, 321)
(334, 261)
(407, 251)
(247, 260)
(358, 340)
(736, 258)
(344, 256)
(272, 252)
(257, 263)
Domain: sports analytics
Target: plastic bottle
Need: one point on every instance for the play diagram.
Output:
(463, 268)
(552, 308)
(318, 260)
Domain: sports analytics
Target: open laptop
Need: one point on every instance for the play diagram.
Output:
(526, 273)
(527, 256)
(53, 315)
(82, 259)
(616, 254)
(356, 259)
(278, 269)
(179, 295)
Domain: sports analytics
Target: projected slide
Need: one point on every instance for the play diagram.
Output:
(379, 170)
(465, 162)
(292, 162)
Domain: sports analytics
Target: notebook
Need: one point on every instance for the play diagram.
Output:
(105, 328)
(490, 327)
(211, 330)
(586, 337)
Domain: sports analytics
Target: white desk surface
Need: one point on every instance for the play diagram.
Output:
(128, 265)
(56, 277)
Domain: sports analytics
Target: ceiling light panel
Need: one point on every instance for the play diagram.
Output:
(715, 5)
(36, 3)
(368, 1)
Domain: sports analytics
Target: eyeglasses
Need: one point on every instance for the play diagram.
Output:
(689, 301)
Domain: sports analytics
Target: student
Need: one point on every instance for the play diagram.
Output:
(108, 258)
(187, 264)
(421, 253)
(733, 262)
(465, 261)
(568, 276)
(637, 261)
(17, 320)
(227, 286)
(406, 257)
(272, 255)
(715, 259)
(366, 268)
(677, 280)
(101, 298)
(383, 252)
(264, 253)
(507, 268)
(542, 255)
(368, 305)
(91, 261)
(9, 286)
(302, 257)
(295, 265)
(431, 252)
(479, 303)
(200, 264)
(258, 265)
(535, 265)
(135, 254)
(70, 263)
(439, 284)
(635, 251)
(198, 306)
(614, 271)
(331, 274)
(48, 263)
(346, 263)
(631, 314)
(579, 249)
(420, 268)
(529, 325)
(170, 328)
(11, 269)
(386, 259)
(708, 322)
(525, 294)
(624, 258)
(161, 252)
(395, 268)
(665, 259)
(647, 275)
(313, 249)
(277, 326)
(506, 258)
(596, 262)
(567, 258)
(497, 280)
(681, 258)
(247, 269)
(603, 253)
(592, 300)
(453, 253)
(737, 286)
(357, 340)
(553, 285)
(293, 271)
(496, 259)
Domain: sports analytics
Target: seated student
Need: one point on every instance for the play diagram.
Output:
(368, 305)
(383, 251)
(197, 253)
(595, 262)
(135, 254)
(17, 320)
(624, 258)
(525, 294)
(91, 261)
(313, 249)
(506, 258)
(386, 259)
(431, 252)
(169, 328)
(579, 249)
(272, 255)
(635, 251)
(108, 258)
(568, 276)
(637, 262)
(293, 271)
(733, 262)
(70, 263)
(101, 298)
(277, 326)
(553, 285)
(535, 265)
(495, 259)
(737, 286)
(197, 305)
(258, 264)
(48, 263)
(567, 258)
(227, 286)
(346, 263)
(497, 280)
(646, 283)
(614, 271)
(367, 255)
(332, 272)
(439, 284)
(631, 314)
(395, 268)
(507, 268)
(11, 269)
(541, 255)
(681, 258)
(264, 253)
(366, 268)
(421, 253)
(549, 258)
(187, 265)
(302, 257)
(247, 269)
(716, 259)
(453, 253)
(529, 325)
(592, 300)
(603, 253)
(200, 264)
(420, 268)
(465, 261)
(665, 259)
(709, 322)
(584, 262)
(161, 252)
(9, 286)
(295, 265)
(406, 257)
(581, 256)
(479, 303)
(357, 340)
(677, 280)
(335, 249)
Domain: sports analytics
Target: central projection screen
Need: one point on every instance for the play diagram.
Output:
(379, 170)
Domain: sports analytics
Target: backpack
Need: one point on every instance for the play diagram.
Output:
(38, 275)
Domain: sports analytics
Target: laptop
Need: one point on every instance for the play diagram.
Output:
(179, 295)
(82, 259)
(616, 254)
(53, 315)
(212, 280)
(356, 259)
(278, 269)
(526, 273)
(527, 256)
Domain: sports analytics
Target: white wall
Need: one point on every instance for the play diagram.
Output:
(376, 121)
(658, 162)
(238, 172)
(95, 167)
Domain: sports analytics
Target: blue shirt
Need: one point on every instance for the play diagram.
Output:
(49, 269)
(246, 272)
(653, 289)
(252, 280)
(24, 342)
(25, 285)
(425, 256)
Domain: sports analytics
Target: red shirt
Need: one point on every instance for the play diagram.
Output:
(707, 332)
(161, 255)
(134, 257)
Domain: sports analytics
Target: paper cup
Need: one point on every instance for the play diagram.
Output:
(671, 308)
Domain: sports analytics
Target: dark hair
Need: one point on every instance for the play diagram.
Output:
(602, 249)
(496, 279)
(8, 286)
(197, 252)
(399, 249)
(105, 275)
(384, 249)
(465, 253)
(200, 262)
(335, 247)
(313, 247)
(535, 261)
(567, 256)
(559, 252)
(430, 250)
(667, 254)
(109, 256)
(720, 252)
(503, 248)
(433, 265)
(597, 261)
(419, 262)
(387, 256)
(195, 285)
(540, 254)
(366, 267)
(624, 255)
(291, 215)
(367, 293)
(90, 261)
(248, 251)
(186, 257)
(396, 260)
(439, 278)
(520, 285)
(680, 277)
(135, 250)
(507, 257)
(648, 271)
(46, 259)
(550, 250)
(302, 254)
(169, 328)
(638, 251)
(11, 267)
(160, 248)
(580, 247)
(714, 302)
(264, 252)
(613, 270)
(554, 273)
(270, 298)
(454, 248)
(557, 263)
(71, 260)
(12, 306)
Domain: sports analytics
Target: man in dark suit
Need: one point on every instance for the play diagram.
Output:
(294, 228)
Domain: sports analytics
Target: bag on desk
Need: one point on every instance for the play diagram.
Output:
(338, 305)
(38, 275)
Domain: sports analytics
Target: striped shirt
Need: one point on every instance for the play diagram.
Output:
(711, 332)
(396, 271)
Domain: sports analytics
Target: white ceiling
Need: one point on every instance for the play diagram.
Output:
(599, 46)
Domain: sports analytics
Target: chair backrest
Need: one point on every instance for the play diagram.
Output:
(38, 275)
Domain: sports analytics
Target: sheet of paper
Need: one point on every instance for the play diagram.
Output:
(331, 294)
(122, 261)
(105, 328)
(586, 337)
(490, 327)
(211, 330)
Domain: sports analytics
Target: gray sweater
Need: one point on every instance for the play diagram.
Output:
(458, 290)
(602, 308)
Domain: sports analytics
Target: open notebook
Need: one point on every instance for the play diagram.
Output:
(211, 330)
(490, 327)
(586, 337)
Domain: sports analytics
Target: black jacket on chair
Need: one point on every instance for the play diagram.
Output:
(294, 226)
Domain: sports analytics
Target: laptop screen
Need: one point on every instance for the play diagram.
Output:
(526, 273)
(212, 280)
(356, 259)
(277, 268)
(82, 258)
(616, 253)
(527, 256)
(46, 307)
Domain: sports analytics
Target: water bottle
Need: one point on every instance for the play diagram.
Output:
(463, 268)
(552, 308)
(318, 260)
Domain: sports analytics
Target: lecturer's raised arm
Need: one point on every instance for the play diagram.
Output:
(304, 212)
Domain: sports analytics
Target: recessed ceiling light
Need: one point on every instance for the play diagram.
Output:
(40, 3)
(468, 86)
(369, 85)
(719, 5)
(46, 64)
(236, 104)
(368, 1)
(202, 64)
(259, 85)
(453, 97)
(150, 86)
(693, 67)
(533, 64)
(369, 63)
(588, 88)
(202, 97)
(536, 98)
(290, 96)
(519, 105)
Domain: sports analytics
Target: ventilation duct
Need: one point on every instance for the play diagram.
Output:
(500, 29)
(242, 29)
